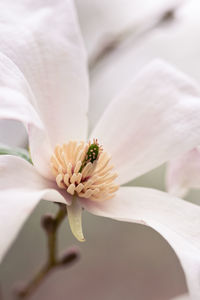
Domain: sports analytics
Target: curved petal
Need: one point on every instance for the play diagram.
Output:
(21, 188)
(183, 173)
(74, 213)
(43, 39)
(176, 220)
(154, 120)
(15, 97)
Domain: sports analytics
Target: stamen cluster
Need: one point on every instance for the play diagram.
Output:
(84, 169)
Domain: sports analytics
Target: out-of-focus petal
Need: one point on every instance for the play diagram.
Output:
(43, 39)
(155, 119)
(98, 23)
(183, 173)
(182, 297)
(15, 98)
(21, 188)
(176, 220)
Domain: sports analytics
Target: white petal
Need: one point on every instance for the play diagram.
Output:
(74, 212)
(176, 220)
(15, 98)
(155, 119)
(43, 39)
(183, 173)
(21, 188)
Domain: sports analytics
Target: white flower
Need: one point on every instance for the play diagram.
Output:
(44, 84)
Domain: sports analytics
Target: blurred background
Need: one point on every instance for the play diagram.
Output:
(118, 260)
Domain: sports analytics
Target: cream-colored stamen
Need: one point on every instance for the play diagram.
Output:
(82, 172)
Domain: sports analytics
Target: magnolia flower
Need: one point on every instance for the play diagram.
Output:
(44, 84)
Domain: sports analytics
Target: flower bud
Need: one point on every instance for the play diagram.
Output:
(19, 289)
(48, 223)
(70, 256)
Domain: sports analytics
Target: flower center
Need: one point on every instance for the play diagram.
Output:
(84, 169)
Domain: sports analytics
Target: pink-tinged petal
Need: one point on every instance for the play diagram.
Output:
(183, 173)
(177, 220)
(43, 39)
(155, 119)
(15, 98)
(21, 188)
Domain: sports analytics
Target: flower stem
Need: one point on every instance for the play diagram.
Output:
(51, 225)
(26, 291)
(52, 235)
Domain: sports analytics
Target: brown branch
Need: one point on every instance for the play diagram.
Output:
(51, 225)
